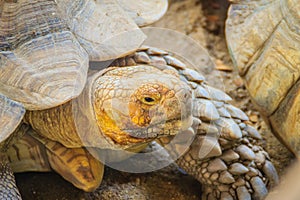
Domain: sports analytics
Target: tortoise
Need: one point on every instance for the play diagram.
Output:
(45, 47)
(230, 142)
(263, 40)
(224, 155)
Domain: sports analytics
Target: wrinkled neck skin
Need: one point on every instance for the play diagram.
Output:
(120, 108)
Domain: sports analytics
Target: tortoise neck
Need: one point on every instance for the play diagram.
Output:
(56, 124)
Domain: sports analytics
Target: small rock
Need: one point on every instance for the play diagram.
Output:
(238, 82)
(222, 67)
(253, 118)
(137, 181)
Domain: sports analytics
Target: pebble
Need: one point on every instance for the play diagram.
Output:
(138, 181)
(238, 82)
(222, 67)
(253, 118)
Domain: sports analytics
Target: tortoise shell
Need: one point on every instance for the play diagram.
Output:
(263, 39)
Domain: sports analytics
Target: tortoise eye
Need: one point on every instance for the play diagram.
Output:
(149, 99)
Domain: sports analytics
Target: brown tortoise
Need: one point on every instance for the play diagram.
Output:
(223, 156)
(263, 38)
(45, 47)
(234, 167)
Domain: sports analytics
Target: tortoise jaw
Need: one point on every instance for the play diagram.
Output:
(134, 136)
(169, 128)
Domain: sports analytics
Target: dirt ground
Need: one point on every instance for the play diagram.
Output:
(203, 21)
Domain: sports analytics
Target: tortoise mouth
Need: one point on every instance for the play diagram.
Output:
(168, 128)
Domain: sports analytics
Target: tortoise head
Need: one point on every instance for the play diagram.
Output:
(137, 104)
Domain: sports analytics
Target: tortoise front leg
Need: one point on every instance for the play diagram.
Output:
(8, 187)
(240, 173)
(76, 165)
(228, 169)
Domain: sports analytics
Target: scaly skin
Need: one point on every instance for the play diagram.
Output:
(224, 155)
(8, 187)
(236, 174)
(129, 106)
